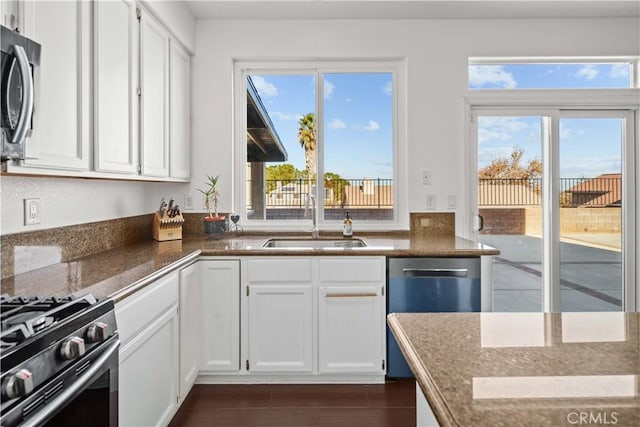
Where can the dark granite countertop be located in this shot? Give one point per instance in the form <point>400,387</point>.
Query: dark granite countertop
<point>121,271</point>
<point>525,369</point>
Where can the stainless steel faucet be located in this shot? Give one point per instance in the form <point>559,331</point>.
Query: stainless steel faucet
<point>311,200</point>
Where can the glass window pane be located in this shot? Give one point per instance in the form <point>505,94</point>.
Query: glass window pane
<point>280,114</point>
<point>510,202</point>
<point>358,146</point>
<point>591,214</point>
<point>550,76</point>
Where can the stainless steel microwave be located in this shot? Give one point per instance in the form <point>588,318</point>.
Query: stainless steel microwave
<point>19,85</point>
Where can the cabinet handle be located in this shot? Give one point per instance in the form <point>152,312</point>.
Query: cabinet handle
<point>350,294</point>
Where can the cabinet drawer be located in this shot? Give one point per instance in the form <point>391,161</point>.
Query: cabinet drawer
<point>279,270</point>
<point>351,269</point>
<point>138,311</point>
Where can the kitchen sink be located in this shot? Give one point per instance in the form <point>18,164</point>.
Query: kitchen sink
<point>314,243</point>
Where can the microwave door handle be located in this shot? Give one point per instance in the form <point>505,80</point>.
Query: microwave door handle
<point>26,109</point>
<point>62,399</point>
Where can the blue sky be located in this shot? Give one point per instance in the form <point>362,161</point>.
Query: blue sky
<point>358,119</point>
<point>588,147</point>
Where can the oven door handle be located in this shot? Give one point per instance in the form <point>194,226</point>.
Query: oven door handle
<point>66,395</point>
<point>26,109</point>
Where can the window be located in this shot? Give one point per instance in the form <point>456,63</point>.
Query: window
<point>555,186</point>
<point>315,131</point>
<point>547,74</point>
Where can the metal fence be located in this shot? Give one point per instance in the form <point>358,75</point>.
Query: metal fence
<point>574,192</point>
<point>376,193</point>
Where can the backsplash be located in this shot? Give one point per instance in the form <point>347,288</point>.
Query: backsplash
<point>423,224</point>
<point>22,252</point>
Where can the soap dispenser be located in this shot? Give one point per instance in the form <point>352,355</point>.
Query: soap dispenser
<point>347,226</point>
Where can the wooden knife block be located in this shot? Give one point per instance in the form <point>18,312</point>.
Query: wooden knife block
<point>165,228</point>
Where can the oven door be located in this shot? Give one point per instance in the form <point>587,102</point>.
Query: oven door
<point>86,393</point>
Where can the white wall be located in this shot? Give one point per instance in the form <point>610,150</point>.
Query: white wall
<point>436,53</point>
<point>66,201</point>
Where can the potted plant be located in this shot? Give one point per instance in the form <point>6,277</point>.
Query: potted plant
<point>214,223</point>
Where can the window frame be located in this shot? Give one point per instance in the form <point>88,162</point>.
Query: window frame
<point>319,68</point>
<point>555,104</point>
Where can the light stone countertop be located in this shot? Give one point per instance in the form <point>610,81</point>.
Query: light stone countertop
<point>119,272</point>
<point>525,369</point>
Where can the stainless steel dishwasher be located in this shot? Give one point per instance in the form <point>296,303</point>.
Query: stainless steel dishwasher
<point>428,285</point>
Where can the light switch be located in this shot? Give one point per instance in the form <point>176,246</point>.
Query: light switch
<point>431,202</point>
<point>451,201</point>
<point>426,177</point>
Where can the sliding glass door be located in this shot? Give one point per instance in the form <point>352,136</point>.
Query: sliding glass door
<point>556,195</point>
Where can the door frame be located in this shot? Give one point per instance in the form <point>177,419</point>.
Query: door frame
<point>554,105</point>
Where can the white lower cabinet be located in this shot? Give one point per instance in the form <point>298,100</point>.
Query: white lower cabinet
<point>319,315</point>
<point>280,310</point>
<point>280,328</point>
<point>351,315</point>
<point>189,297</point>
<point>219,313</point>
<point>148,380</point>
<point>349,338</point>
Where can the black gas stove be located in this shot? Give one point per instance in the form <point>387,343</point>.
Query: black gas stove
<point>58,355</point>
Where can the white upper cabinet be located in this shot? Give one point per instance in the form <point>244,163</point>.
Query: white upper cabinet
<point>154,102</point>
<point>115,80</point>
<point>60,139</point>
<point>180,116</point>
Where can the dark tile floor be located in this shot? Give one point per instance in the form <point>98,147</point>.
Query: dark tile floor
<point>293,405</point>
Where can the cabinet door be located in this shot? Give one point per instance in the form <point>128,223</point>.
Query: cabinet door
<point>154,107</point>
<point>219,307</point>
<point>180,87</point>
<point>148,389</point>
<point>188,328</point>
<point>280,328</point>
<point>60,137</point>
<point>351,328</point>
<point>115,68</point>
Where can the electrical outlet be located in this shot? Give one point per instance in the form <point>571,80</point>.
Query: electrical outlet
<point>431,202</point>
<point>31,211</point>
<point>188,202</point>
<point>451,201</point>
<point>426,177</point>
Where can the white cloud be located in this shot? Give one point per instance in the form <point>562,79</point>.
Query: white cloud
<point>264,88</point>
<point>387,88</point>
<point>328,89</point>
<point>619,71</point>
<point>372,126</point>
<point>499,128</point>
<point>285,116</point>
<point>589,72</point>
<point>336,124</point>
<point>495,75</point>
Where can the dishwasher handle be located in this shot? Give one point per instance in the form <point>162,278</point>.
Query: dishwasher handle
<point>435,272</point>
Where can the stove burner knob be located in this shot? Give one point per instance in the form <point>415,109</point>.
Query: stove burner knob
<point>72,348</point>
<point>97,332</point>
<point>19,384</point>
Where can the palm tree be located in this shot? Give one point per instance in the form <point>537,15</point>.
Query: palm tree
<point>307,138</point>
